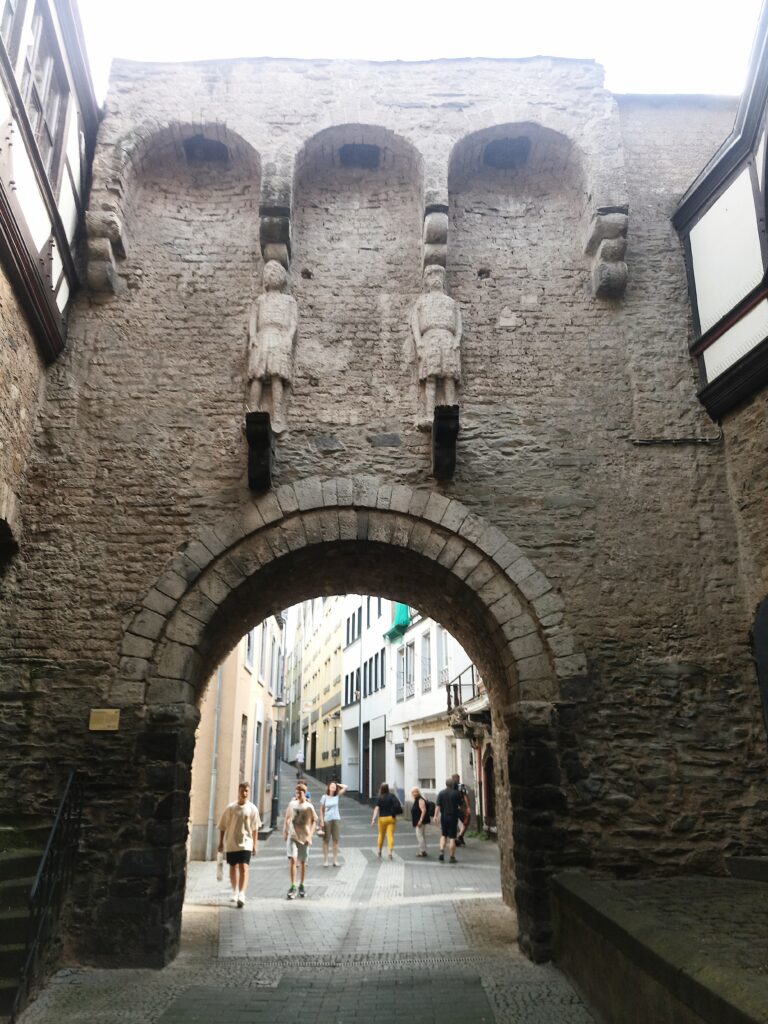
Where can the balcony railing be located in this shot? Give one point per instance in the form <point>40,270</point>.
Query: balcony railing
<point>464,687</point>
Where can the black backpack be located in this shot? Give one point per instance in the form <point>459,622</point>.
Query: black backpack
<point>431,809</point>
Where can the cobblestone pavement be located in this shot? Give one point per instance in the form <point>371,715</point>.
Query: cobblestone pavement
<point>374,940</point>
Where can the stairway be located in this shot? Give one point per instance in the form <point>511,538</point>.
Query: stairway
<point>22,841</point>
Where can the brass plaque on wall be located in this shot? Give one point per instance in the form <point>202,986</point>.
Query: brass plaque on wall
<point>104,720</point>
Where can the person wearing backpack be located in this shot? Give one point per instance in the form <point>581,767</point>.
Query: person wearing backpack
<point>386,809</point>
<point>422,812</point>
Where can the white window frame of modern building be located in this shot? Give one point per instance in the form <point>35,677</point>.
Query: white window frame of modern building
<point>443,669</point>
<point>425,781</point>
<point>263,651</point>
<point>426,662</point>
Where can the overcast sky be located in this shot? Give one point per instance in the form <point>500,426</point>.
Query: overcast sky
<point>661,46</point>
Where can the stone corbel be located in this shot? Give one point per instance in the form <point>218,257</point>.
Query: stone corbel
<point>106,243</point>
<point>607,245</point>
<point>435,235</point>
<point>275,234</point>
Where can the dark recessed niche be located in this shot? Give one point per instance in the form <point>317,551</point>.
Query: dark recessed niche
<point>200,150</point>
<point>506,154</point>
<point>359,154</point>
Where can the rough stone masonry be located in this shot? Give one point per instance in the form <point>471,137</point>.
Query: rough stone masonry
<point>599,583</point>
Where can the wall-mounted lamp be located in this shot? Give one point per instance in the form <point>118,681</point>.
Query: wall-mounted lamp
<point>389,735</point>
<point>406,731</point>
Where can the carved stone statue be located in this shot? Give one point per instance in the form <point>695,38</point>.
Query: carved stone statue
<point>271,339</point>
<point>436,327</point>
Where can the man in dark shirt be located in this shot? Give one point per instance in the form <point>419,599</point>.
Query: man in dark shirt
<point>449,802</point>
<point>464,811</point>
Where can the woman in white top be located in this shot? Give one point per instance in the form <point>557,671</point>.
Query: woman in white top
<point>330,820</point>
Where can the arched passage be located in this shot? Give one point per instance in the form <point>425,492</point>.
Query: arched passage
<point>319,537</point>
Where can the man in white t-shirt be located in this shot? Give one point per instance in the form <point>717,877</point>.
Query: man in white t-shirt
<point>239,838</point>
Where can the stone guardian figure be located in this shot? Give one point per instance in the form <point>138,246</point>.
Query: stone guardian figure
<point>436,327</point>
<point>271,340</point>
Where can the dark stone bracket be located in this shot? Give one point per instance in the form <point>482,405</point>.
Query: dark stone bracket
<point>445,430</point>
<point>258,432</point>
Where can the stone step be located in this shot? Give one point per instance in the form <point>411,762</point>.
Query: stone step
<point>17,833</point>
<point>14,892</point>
<point>11,959</point>
<point>19,863</point>
<point>7,995</point>
<point>14,925</point>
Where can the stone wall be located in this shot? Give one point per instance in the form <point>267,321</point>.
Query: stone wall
<point>21,372</point>
<point>628,736</point>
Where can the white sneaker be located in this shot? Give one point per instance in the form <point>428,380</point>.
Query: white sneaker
<point>233,896</point>
<point>240,899</point>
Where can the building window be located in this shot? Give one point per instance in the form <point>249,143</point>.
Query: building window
<point>367,613</point>
<point>243,744</point>
<point>442,656</point>
<point>45,94</point>
<point>250,643</point>
<point>376,671</point>
<point>400,673</point>
<point>10,25</point>
<point>382,677</point>
<point>365,679</point>
<point>410,681</point>
<point>425,763</point>
<point>426,662</point>
<point>379,606</point>
<point>360,620</point>
<point>263,651</point>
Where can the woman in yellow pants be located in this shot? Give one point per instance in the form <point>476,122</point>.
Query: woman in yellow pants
<point>386,809</point>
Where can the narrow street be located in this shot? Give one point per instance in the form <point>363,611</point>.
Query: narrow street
<point>402,940</point>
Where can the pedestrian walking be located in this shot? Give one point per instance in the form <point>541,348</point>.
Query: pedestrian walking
<point>386,809</point>
<point>239,838</point>
<point>330,820</point>
<point>300,765</point>
<point>298,829</point>
<point>422,813</point>
<point>465,812</point>
<point>449,804</point>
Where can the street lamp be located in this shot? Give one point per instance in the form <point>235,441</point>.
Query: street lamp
<point>278,717</point>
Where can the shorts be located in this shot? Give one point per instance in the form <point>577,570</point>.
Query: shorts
<point>239,857</point>
<point>297,851</point>
<point>449,827</point>
<point>332,831</point>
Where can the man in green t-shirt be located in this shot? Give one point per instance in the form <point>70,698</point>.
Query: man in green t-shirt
<point>298,829</point>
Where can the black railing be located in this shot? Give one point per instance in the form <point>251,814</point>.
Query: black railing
<point>46,896</point>
<point>463,688</point>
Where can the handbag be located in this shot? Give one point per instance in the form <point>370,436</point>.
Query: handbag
<point>219,867</point>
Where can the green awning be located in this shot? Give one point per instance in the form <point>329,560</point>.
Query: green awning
<point>401,623</point>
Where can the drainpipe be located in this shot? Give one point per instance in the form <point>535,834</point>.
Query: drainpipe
<point>210,842</point>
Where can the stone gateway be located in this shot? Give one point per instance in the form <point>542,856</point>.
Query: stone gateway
<point>597,551</point>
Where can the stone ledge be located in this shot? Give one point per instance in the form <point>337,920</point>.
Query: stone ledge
<point>635,940</point>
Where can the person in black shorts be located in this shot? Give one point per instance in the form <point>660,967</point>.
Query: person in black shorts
<point>449,802</point>
<point>239,838</point>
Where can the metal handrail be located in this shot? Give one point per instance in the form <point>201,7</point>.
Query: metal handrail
<point>458,691</point>
<point>51,882</point>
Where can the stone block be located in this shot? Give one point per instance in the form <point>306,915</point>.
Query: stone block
<point>148,624</point>
<point>527,646</point>
<point>170,691</point>
<point>330,493</point>
<point>571,665</point>
<point>520,570</point>
<point>345,491</point>
<point>538,667</point>
<point>454,516</point>
<point>400,498</point>
<point>309,494</point>
<point>177,661</point>
<point>385,496</point>
<point>609,280</point>
<point>453,550</point>
<point>134,646</point>
<point>197,553</point>
<point>185,629</point>
<point>507,555</point>
<point>269,508</point>
<point>435,255</point>
<point>125,693</point>
<point>535,585</point>
<point>436,507</point>
<point>211,541</point>
<point>491,540</point>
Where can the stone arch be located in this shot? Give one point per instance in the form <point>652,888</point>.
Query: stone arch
<point>322,536</point>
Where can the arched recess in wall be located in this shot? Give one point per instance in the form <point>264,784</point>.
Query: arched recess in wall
<point>357,220</point>
<point>760,648</point>
<point>189,198</point>
<point>336,536</point>
<point>517,196</point>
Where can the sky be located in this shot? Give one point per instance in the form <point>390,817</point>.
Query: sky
<point>650,46</point>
